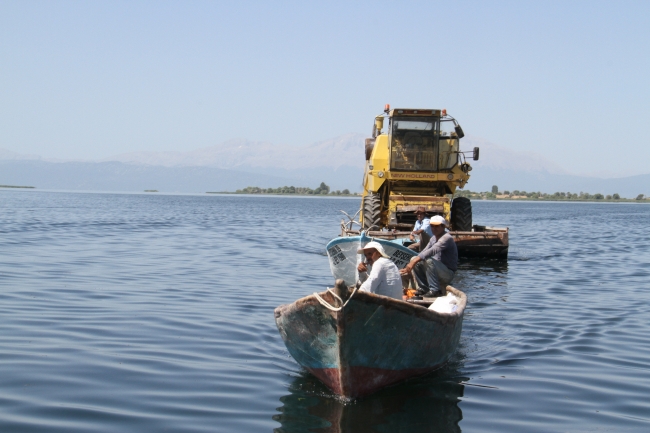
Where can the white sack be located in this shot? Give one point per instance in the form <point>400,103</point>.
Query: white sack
<point>445,304</point>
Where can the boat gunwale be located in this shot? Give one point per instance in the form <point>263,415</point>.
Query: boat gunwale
<point>405,307</point>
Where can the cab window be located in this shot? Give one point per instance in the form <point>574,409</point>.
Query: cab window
<point>448,156</point>
<point>414,143</point>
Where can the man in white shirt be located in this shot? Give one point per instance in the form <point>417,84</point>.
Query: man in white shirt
<point>384,278</point>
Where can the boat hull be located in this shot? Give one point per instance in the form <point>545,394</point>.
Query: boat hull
<point>373,342</point>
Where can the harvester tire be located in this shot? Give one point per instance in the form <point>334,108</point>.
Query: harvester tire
<point>371,212</point>
<point>461,214</point>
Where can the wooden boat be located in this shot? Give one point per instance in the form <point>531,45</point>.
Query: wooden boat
<point>357,342</point>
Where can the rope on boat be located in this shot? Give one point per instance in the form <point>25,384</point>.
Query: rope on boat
<point>348,225</point>
<point>329,306</point>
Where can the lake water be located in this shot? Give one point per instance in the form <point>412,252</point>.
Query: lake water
<point>134,313</point>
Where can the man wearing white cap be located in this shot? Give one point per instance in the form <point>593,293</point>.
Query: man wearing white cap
<point>436,265</point>
<point>384,278</point>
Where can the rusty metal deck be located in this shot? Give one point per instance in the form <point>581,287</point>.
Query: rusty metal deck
<point>482,242</point>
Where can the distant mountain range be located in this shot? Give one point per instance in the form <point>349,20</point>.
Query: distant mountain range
<point>338,162</point>
<point>528,171</point>
<point>117,176</point>
<point>346,150</point>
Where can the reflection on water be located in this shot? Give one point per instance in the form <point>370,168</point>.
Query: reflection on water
<point>428,404</point>
<point>137,313</point>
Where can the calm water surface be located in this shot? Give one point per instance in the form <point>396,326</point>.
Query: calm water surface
<point>133,313</point>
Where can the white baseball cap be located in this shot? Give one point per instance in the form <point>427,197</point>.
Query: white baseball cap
<point>375,245</point>
<point>437,220</point>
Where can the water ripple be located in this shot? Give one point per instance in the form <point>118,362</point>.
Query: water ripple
<point>155,313</point>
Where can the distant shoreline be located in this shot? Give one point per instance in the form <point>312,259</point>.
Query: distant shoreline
<point>323,190</point>
<point>621,200</point>
<point>517,195</point>
<point>284,194</point>
<point>590,200</point>
<point>15,186</point>
<point>557,199</point>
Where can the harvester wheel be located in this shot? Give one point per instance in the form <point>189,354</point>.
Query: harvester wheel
<point>461,214</point>
<point>371,212</point>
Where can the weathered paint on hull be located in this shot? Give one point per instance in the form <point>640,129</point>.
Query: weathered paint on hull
<point>372,343</point>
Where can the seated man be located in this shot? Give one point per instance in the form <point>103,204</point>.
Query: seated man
<point>436,265</point>
<point>421,228</point>
<point>384,278</point>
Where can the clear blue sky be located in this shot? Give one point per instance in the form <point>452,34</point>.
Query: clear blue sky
<point>90,79</point>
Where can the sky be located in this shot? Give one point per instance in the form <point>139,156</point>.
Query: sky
<point>92,79</point>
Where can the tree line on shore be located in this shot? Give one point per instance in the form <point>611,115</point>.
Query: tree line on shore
<point>322,189</point>
<point>516,194</point>
<point>495,193</point>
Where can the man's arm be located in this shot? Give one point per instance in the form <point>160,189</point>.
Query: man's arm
<point>406,270</point>
<point>423,227</point>
<point>431,249</point>
<point>374,278</point>
<point>414,231</point>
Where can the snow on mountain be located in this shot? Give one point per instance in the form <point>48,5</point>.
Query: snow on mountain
<point>233,154</point>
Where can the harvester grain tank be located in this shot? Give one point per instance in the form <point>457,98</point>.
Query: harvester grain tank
<point>413,159</point>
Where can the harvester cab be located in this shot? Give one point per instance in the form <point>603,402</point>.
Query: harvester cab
<point>413,159</point>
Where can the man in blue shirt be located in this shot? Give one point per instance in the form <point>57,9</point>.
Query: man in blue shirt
<point>421,226</point>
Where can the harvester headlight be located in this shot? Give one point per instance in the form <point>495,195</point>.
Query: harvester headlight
<point>380,174</point>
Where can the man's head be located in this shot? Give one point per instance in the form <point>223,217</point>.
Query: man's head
<point>438,225</point>
<point>372,251</point>
<point>420,212</point>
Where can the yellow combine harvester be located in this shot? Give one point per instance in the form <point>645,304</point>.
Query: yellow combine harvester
<point>413,159</point>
